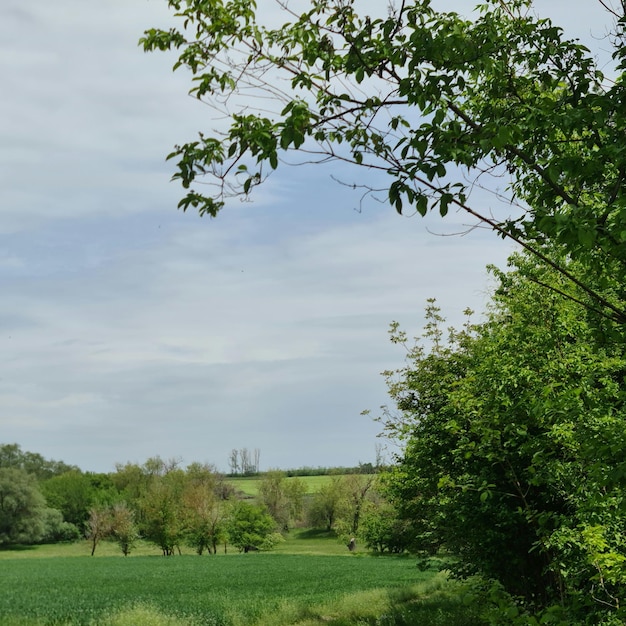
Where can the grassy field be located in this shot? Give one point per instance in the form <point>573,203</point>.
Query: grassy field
<point>311,580</point>
<point>312,542</point>
<point>221,590</point>
<point>250,485</point>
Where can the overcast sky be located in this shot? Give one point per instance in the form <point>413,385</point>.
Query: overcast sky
<point>129,329</point>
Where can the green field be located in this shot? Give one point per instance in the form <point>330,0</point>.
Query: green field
<point>42,586</point>
<point>299,541</point>
<point>233,589</point>
<point>250,485</point>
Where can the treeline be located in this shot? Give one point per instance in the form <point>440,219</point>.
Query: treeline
<point>246,462</point>
<point>12,455</point>
<point>361,468</point>
<point>173,506</point>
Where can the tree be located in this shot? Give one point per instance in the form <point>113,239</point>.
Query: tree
<point>22,507</point>
<point>385,531</point>
<point>245,461</point>
<point>248,463</point>
<point>98,525</point>
<point>248,526</point>
<point>172,506</point>
<point>282,497</point>
<point>123,528</point>
<point>514,440</point>
<point>203,510</point>
<point>357,488</point>
<point>56,529</point>
<point>435,100</point>
<point>162,512</point>
<point>233,461</point>
<point>328,504</point>
<point>12,455</point>
<point>71,493</point>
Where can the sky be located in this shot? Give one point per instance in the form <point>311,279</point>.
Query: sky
<point>129,329</point>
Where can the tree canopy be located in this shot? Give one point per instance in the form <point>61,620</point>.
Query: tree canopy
<point>12,455</point>
<point>440,102</point>
<point>22,507</point>
<point>514,446</point>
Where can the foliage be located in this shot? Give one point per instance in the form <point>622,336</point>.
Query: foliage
<point>162,513</point>
<point>248,525</point>
<point>12,455</point>
<point>515,446</point>
<point>385,531</point>
<point>362,468</point>
<point>131,480</point>
<point>123,527</point>
<point>328,505</point>
<point>283,498</point>
<point>71,493</point>
<point>437,101</point>
<point>98,526</point>
<point>22,507</point>
<point>203,509</point>
<point>56,529</point>
<point>357,487</point>
<point>340,503</point>
<point>243,462</point>
<point>271,540</point>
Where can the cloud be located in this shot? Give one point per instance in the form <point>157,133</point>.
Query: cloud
<point>216,334</point>
<point>129,329</point>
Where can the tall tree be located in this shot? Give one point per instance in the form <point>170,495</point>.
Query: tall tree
<point>282,496</point>
<point>328,504</point>
<point>98,526</point>
<point>384,530</point>
<point>162,518</point>
<point>12,455</point>
<point>123,527</point>
<point>233,461</point>
<point>22,507</point>
<point>203,510</point>
<point>438,101</point>
<point>357,487</point>
<point>248,526</point>
<point>514,446</point>
<point>71,493</point>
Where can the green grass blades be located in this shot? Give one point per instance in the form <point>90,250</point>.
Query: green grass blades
<point>223,590</point>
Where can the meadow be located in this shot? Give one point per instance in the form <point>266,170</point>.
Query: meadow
<point>44,587</point>
<point>310,579</point>
<point>249,485</point>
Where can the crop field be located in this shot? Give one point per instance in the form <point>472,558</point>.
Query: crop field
<point>222,590</point>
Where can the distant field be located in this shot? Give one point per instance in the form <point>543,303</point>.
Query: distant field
<point>222,590</point>
<point>298,541</point>
<point>250,486</point>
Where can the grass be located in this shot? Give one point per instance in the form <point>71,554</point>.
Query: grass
<point>311,579</point>
<point>249,486</point>
<point>223,590</point>
<point>79,548</point>
<point>298,541</point>
<point>313,542</point>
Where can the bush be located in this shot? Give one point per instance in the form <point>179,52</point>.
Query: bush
<point>56,530</point>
